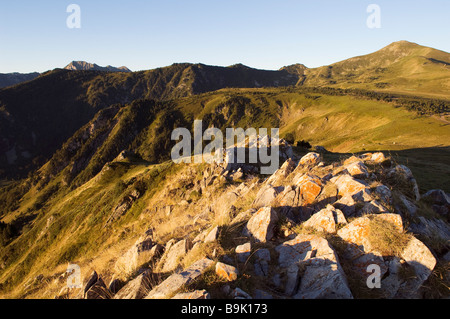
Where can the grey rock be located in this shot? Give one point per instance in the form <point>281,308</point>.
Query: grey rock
<point>99,291</point>
<point>243,252</point>
<point>176,281</point>
<point>261,295</point>
<point>212,235</point>
<point>261,224</point>
<point>194,295</point>
<point>262,262</point>
<point>324,282</point>
<point>238,293</point>
<point>136,288</point>
<point>265,196</point>
<point>170,260</point>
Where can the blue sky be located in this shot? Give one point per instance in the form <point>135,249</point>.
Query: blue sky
<point>145,34</point>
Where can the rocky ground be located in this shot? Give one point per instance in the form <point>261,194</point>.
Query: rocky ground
<point>311,230</point>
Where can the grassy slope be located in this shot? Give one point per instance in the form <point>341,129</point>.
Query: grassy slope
<point>401,67</point>
<point>341,124</point>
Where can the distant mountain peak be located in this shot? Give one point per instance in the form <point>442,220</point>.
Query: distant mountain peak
<point>85,66</point>
<point>239,66</point>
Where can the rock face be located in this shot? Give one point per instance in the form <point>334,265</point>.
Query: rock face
<point>309,189</point>
<point>136,288</point>
<point>261,225</point>
<point>357,232</point>
<point>348,186</point>
<point>265,196</point>
<point>143,251</point>
<point>422,261</point>
<point>310,159</point>
<point>170,260</point>
<point>322,276</point>
<point>326,220</point>
<point>276,178</point>
<point>176,281</point>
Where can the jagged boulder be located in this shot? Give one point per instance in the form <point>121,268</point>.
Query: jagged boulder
<point>373,207</point>
<point>136,288</point>
<point>261,224</point>
<point>170,260</point>
<point>226,272</point>
<point>92,279</point>
<point>326,220</point>
<point>311,264</point>
<point>277,177</point>
<point>431,228</point>
<point>95,288</point>
<point>384,193</point>
<point>324,282</point>
<point>310,159</point>
<point>348,186</point>
<point>309,188</point>
<point>142,252</point>
<point>224,204</point>
<point>243,252</point>
<point>422,261</point>
<point>266,196</point>
<point>357,169</point>
<point>176,281</point>
<point>115,285</point>
<point>378,158</point>
<point>212,235</point>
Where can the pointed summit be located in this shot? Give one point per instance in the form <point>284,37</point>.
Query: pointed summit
<point>85,66</point>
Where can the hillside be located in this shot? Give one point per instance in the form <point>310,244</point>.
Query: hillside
<point>401,67</point>
<point>86,178</point>
<point>37,117</point>
<point>10,79</point>
<point>140,224</point>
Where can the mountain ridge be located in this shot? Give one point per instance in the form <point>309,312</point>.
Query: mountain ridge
<point>85,66</point>
<point>72,98</point>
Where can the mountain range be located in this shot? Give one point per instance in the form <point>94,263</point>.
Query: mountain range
<point>85,66</point>
<point>85,164</point>
<point>401,67</point>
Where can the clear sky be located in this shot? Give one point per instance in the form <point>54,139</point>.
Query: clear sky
<point>145,34</point>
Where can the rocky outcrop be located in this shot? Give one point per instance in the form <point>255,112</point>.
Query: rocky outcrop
<point>313,231</point>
